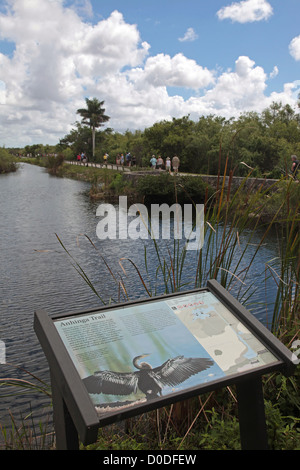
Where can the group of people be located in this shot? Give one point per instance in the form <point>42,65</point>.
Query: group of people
<point>158,163</point>
<point>155,163</point>
<point>127,160</point>
<point>81,157</point>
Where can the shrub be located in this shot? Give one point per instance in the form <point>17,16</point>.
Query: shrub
<point>54,162</point>
<point>169,189</point>
<point>7,162</point>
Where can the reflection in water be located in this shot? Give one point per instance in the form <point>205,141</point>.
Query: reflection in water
<point>36,273</point>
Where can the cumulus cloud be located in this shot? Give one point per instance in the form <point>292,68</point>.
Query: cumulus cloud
<point>246,11</point>
<point>189,36</point>
<point>2,92</point>
<point>58,60</point>
<point>238,90</point>
<point>177,71</point>
<point>295,48</point>
<point>274,72</point>
<point>84,8</point>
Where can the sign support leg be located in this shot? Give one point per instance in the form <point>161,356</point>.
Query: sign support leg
<point>65,430</point>
<point>253,429</point>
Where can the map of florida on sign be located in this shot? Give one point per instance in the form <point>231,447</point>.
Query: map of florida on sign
<point>232,346</point>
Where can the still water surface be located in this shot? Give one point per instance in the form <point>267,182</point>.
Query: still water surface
<point>36,273</point>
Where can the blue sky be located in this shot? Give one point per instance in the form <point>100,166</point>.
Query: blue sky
<point>148,60</point>
<point>218,42</point>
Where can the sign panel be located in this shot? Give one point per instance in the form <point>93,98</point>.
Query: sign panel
<point>130,355</point>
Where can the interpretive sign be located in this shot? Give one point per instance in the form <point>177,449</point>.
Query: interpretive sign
<point>189,340</point>
<point>131,358</point>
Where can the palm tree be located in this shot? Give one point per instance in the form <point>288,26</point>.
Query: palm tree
<point>94,116</point>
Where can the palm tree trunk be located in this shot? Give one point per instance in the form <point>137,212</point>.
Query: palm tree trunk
<point>93,141</point>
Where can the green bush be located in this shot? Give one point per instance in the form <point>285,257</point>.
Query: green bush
<point>118,184</point>
<point>54,162</point>
<point>220,434</point>
<point>7,162</point>
<point>283,431</point>
<point>170,189</point>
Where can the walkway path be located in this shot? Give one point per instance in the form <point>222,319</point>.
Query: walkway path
<point>127,169</point>
<point>109,166</point>
<point>212,180</point>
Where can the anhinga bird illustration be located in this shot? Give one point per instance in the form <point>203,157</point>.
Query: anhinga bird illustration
<point>147,380</point>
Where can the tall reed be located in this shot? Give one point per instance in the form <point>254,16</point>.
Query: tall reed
<point>24,433</point>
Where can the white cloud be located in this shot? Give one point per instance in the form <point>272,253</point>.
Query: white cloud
<point>108,47</point>
<point>246,11</point>
<point>295,48</point>
<point>189,36</point>
<point>240,90</point>
<point>178,71</point>
<point>58,60</point>
<point>2,93</point>
<point>275,72</point>
<point>84,8</point>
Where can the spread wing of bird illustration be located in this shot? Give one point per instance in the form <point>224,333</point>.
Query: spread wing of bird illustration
<point>177,370</point>
<point>112,383</point>
<point>147,379</point>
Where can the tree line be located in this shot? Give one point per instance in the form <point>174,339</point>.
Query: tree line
<point>263,141</point>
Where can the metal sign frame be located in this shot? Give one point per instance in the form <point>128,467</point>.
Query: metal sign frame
<point>75,416</point>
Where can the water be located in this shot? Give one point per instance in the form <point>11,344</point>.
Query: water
<point>36,272</point>
<point>33,206</point>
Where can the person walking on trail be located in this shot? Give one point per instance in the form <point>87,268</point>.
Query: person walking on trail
<point>168,164</point>
<point>84,159</point>
<point>160,163</point>
<point>153,162</point>
<point>295,166</point>
<point>175,163</point>
<point>128,159</point>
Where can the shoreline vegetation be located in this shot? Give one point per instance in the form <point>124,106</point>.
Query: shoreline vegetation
<point>158,186</point>
<point>8,163</point>
<point>209,421</point>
